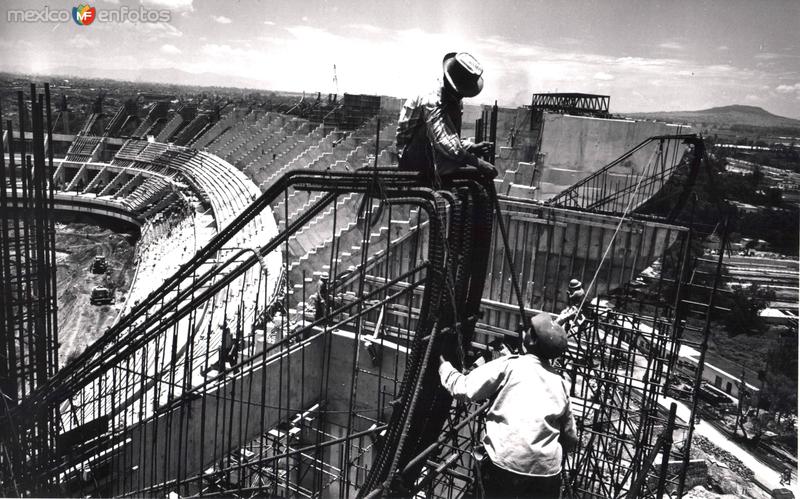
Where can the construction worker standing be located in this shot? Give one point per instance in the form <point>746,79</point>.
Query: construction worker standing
<point>429,128</point>
<point>323,302</point>
<point>529,423</point>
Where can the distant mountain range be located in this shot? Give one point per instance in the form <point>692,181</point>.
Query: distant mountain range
<point>723,116</point>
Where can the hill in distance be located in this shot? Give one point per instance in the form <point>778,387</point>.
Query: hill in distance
<point>724,116</point>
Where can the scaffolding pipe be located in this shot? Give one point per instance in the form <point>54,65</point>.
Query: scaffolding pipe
<point>701,362</point>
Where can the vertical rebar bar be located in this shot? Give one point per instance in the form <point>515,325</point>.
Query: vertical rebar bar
<point>698,377</point>
<point>668,440</point>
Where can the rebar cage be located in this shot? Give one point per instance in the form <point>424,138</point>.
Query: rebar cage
<point>223,380</point>
<point>263,368</point>
<point>28,321</point>
<point>618,366</point>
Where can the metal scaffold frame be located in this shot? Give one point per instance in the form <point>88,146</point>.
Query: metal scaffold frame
<point>619,364</point>
<point>235,378</point>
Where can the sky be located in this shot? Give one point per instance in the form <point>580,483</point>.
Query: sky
<point>648,55</point>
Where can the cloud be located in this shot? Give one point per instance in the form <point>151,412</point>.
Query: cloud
<point>722,47</point>
<point>269,23</point>
<point>506,48</point>
<point>168,48</point>
<point>218,49</point>
<point>672,46</point>
<point>771,56</point>
<point>153,31</point>
<point>369,28</point>
<point>222,19</point>
<point>568,40</point>
<point>83,42</point>
<point>512,70</point>
<point>787,89</point>
<point>172,4</point>
<point>721,68</point>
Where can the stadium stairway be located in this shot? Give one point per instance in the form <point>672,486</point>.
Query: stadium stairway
<point>263,140</point>
<point>248,134</point>
<point>275,144</point>
<point>193,130</point>
<point>217,129</point>
<point>240,132</point>
<point>263,175</point>
<point>350,244</point>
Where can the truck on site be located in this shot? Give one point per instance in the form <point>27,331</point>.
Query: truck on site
<point>101,296</point>
<point>99,265</point>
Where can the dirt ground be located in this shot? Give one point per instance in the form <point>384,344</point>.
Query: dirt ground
<point>80,322</point>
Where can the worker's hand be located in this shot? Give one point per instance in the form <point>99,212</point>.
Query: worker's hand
<point>481,148</point>
<point>487,169</point>
<point>442,360</point>
<point>566,315</point>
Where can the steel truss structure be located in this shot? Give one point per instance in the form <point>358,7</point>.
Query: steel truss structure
<point>572,103</point>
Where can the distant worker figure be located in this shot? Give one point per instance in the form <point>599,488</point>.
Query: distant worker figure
<point>575,295</point>
<point>429,128</point>
<point>786,476</point>
<point>228,350</point>
<point>322,300</point>
<point>529,424</point>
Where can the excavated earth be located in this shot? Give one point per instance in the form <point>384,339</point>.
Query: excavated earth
<point>727,476</point>
<point>80,322</point>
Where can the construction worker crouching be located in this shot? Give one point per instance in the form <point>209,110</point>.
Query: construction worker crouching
<point>572,315</point>
<point>529,423</point>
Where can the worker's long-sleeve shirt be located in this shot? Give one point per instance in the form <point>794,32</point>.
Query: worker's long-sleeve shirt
<point>530,416</point>
<point>429,132</point>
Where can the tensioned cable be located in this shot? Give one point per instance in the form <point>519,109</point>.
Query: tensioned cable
<point>616,231</point>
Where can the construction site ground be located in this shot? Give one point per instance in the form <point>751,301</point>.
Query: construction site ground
<point>80,322</point>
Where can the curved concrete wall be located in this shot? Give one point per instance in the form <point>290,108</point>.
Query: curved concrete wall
<point>82,204</point>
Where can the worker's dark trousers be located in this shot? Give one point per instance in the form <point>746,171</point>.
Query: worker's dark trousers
<point>501,483</point>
